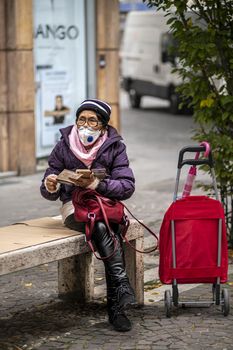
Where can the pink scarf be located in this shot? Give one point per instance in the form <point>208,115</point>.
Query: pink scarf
<point>76,146</point>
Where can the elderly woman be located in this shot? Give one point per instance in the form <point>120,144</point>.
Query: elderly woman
<point>91,144</point>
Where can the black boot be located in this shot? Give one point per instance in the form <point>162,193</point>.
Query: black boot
<point>120,294</point>
<point>117,317</point>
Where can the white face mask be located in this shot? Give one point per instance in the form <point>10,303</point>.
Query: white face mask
<point>88,136</point>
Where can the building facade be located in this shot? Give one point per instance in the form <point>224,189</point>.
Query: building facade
<point>51,57</point>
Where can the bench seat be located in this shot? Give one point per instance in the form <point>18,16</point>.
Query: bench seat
<point>35,242</point>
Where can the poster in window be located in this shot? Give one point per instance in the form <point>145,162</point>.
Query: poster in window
<point>60,67</point>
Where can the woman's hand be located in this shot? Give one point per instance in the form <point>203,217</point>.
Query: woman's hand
<point>51,183</point>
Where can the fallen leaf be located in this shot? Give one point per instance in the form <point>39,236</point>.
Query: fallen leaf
<point>152,285</point>
<point>28,284</point>
<point>99,278</point>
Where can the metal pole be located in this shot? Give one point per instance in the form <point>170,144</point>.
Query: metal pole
<point>173,248</point>
<point>214,183</point>
<point>176,184</point>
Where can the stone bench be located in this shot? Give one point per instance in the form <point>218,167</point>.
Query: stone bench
<point>35,242</point>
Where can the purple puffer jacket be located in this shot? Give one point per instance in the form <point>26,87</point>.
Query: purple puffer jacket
<point>119,182</point>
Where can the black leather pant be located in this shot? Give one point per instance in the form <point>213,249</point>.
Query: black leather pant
<point>115,266</point>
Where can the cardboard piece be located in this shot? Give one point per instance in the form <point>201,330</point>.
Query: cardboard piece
<point>33,232</point>
<point>68,177</point>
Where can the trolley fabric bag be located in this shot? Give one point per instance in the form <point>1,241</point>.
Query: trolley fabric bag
<point>196,223</point>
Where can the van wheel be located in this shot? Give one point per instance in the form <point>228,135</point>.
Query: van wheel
<point>134,98</point>
<point>174,103</point>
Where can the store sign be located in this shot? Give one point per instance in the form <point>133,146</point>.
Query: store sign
<point>57,32</point>
<point>60,67</point>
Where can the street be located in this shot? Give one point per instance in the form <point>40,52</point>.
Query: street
<point>154,138</point>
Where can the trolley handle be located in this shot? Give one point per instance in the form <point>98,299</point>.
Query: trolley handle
<point>208,160</point>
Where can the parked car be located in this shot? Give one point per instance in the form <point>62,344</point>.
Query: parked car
<point>146,59</point>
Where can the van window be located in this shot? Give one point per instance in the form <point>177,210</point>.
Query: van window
<point>168,48</point>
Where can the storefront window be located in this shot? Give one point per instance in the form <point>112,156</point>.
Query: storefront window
<point>60,67</point>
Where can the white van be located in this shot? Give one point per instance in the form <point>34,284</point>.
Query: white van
<point>146,61</point>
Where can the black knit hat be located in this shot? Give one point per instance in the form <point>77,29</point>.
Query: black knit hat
<point>100,107</point>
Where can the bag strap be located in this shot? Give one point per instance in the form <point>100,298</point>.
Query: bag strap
<point>91,223</point>
<point>123,234</point>
<point>90,227</point>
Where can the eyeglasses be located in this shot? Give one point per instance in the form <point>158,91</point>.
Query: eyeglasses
<point>93,122</point>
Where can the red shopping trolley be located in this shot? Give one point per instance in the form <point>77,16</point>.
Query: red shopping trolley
<point>193,242</point>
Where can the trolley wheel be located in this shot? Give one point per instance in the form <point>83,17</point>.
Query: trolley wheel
<point>167,303</point>
<point>175,295</point>
<point>216,293</point>
<point>225,302</point>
